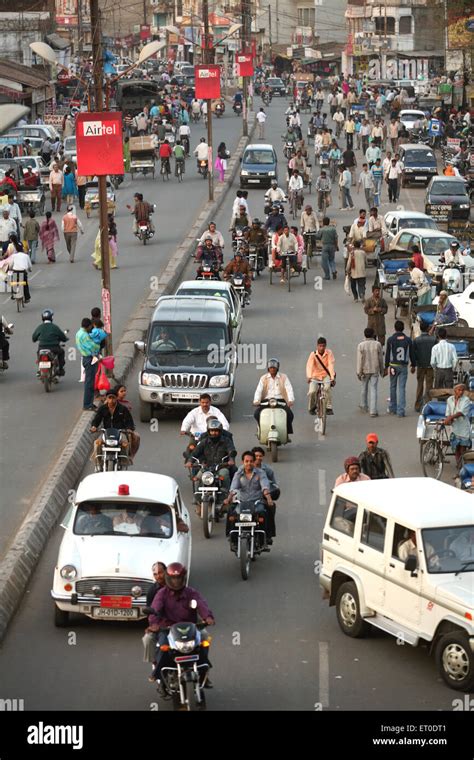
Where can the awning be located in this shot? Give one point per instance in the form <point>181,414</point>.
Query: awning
<point>57,42</point>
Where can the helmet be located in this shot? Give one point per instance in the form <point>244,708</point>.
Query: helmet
<point>175,576</point>
<point>214,425</point>
<point>208,237</point>
<point>350,461</point>
<point>273,363</point>
<point>256,220</point>
<point>47,315</point>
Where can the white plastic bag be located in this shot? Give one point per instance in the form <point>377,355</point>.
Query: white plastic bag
<point>347,285</point>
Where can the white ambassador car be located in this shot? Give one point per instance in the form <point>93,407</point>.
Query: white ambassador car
<point>120,524</point>
<point>464,305</point>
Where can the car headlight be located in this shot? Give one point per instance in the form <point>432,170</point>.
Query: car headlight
<point>220,381</point>
<point>149,378</point>
<point>69,572</point>
<point>185,646</point>
<point>244,173</point>
<point>464,205</point>
<point>137,591</point>
<point>273,402</point>
<point>271,174</point>
<point>207,479</point>
<point>408,170</point>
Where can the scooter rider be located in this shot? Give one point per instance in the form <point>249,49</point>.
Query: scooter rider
<point>453,255</point>
<point>237,99</point>
<point>275,194</point>
<point>142,212</point>
<point>202,151</point>
<point>275,384</point>
<point>252,484</point>
<point>49,336</point>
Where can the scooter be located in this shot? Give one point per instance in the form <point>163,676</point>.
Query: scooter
<point>237,107</point>
<point>272,430</point>
<point>219,109</point>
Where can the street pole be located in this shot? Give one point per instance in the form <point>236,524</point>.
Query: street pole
<point>245,46</point>
<point>104,222</point>
<point>270,31</point>
<point>207,59</point>
<point>79,32</point>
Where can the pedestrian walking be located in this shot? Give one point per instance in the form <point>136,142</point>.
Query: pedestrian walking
<point>422,348</point>
<point>443,361</point>
<point>355,268</point>
<point>223,154</point>
<point>398,355</point>
<point>345,179</point>
<point>375,461</point>
<point>89,351</point>
<point>56,179</point>
<point>261,119</point>
<point>328,236</point>
<point>69,191</point>
<point>49,235</point>
<point>31,233</point>
<point>376,308</point>
<point>377,174</point>
<point>71,226</point>
<point>370,368</point>
<point>392,179</point>
<point>366,181</point>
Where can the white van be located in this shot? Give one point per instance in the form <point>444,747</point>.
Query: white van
<point>399,555</point>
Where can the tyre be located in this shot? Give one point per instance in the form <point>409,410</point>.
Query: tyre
<point>109,465</point>
<point>19,302</point>
<point>61,617</point>
<point>47,384</point>
<point>321,414</point>
<point>348,612</point>
<point>144,239</point>
<point>288,272</point>
<point>274,451</point>
<point>271,275</point>
<point>207,518</point>
<point>304,276</point>
<point>145,411</point>
<point>244,558</point>
<point>455,661</point>
<point>190,695</point>
<point>431,456</point>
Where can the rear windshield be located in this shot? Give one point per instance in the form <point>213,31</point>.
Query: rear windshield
<point>263,157</point>
<point>424,156</point>
<point>411,116</point>
<point>274,81</point>
<point>94,518</point>
<point>190,345</point>
<point>448,188</point>
<point>209,293</point>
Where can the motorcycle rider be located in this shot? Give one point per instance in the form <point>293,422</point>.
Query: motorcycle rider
<point>256,236</point>
<point>241,266</point>
<point>269,472</point>
<point>274,384</point>
<point>453,255</point>
<point>49,336</point>
<point>251,484</point>
<point>241,219</point>
<point>201,151</point>
<point>211,451</point>
<point>142,212</point>
<point>172,604</point>
<point>112,415</point>
<point>275,219</point>
<point>275,194</point>
<point>352,472</point>
<point>238,98</point>
<point>209,254</point>
<point>214,234</point>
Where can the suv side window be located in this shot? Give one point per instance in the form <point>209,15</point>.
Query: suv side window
<point>344,515</point>
<point>401,534</point>
<point>405,239</point>
<point>373,530</point>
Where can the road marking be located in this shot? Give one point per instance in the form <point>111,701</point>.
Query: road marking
<point>320,311</point>
<point>324,673</point>
<point>322,487</point>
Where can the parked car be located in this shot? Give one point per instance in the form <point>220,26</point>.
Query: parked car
<point>70,150</point>
<point>432,243</point>
<point>276,85</point>
<point>419,164</point>
<point>402,220</point>
<point>219,290</point>
<point>117,528</point>
<point>259,165</point>
<point>36,130</point>
<point>447,198</point>
<point>395,556</point>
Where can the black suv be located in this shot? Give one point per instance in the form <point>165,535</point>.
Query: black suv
<point>447,198</point>
<point>419,164</point>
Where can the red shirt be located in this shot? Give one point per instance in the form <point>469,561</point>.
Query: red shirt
<point>165,150</point>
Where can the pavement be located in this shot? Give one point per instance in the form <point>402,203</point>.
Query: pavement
<point>276,645</point>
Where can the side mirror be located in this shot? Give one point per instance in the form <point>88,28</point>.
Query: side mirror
<point>139,345</point>
<point>411,564</point>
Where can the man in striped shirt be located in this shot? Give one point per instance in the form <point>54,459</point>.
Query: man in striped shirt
<point>89,351</point>
<point>443,360</point>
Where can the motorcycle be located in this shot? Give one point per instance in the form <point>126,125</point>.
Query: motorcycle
<point>112,457</point>
<point>7,329</point>
<point>203,168</point>
<point>144,231</point>
<point>248,537</point>
<point>272,428</point>
<point>255,259</point>
<point>289,150</point>
<point>237,108</point>
<point>210,493</point>
<point>116,180</point>
<point>208,269</point>
<point>219,109</point>
<point>266,99</point>
<point>238,282</point>
<point>48,367</point>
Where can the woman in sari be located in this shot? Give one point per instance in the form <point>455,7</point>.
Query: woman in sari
<point>49,235</point>
<point>113,250</point>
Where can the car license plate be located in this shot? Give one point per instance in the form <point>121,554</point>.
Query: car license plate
<point>254,180</point>
<point>418,176</point>
<point>44,365</point>
<point>108,613</point>
<point>184,397</point>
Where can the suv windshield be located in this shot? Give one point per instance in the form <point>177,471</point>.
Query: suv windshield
<point>448,188</point>
<point>449,550</point>
<point>417,156</point>
<point>94,518</point>
<point>189,345</point>
<point>265,157</point>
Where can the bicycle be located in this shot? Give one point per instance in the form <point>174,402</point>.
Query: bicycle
<point>320,409</point>
<point>310,243</point>
<point>179,170</point>
<point>296,201</point>
<point>17,290</point>
<point>165,169</point>
<point>433,452</point>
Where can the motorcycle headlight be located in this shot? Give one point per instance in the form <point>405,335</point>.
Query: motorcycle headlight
<point>220,381</point>
<point>244,173</point>
<point>149,378</point>
<point>110,442</point>
<point>69,572</point>
<point>207,479</point>
<point>273,402</point>
<point>245,517</point>
<point>185,646</point>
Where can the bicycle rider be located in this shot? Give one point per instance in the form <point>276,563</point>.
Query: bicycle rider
<point>320,369</point>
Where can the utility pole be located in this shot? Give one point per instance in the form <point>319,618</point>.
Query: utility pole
<point>270,31</point>
<point>207,58</point>
<point>80,41</point>
<point>144,12</point>
<point>104,222</point>
<point>245,37</point>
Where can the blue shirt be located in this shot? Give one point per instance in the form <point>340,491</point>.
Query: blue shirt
<point>399,350</point>
<point>97,334</point>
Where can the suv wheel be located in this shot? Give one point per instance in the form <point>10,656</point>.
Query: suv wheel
<point>455,661</point>
<point>348,611</point>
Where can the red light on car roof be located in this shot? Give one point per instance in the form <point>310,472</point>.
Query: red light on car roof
<point>124,490</point>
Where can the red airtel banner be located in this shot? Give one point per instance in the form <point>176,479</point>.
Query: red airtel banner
<point>99,143</point>
<point>207,81</point>
<point>244,64</point>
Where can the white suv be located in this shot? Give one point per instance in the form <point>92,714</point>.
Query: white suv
<point>399,555</point>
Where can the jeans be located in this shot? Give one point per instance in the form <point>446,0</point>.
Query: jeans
<point>369,196</point>
<point>398,380</point>
<point>349,140</point>
<point>328,263</point>
<point>377,192</point>
<point>358,287</point>
<point>90,373</point>
<point>346,198</point>
<point>32,247</point>
<point>368,393</point>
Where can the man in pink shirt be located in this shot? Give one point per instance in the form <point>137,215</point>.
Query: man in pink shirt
<point>352,472</point>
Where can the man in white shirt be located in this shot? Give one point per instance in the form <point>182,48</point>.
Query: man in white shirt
<point>393,174</point>
<point>201,150</point>
<point>261,119</point>
<point>275,384</point>
<point>20,266</point>
<point>275,194</point>
<point>214,234</point>
<point>453,255</point>
<point>444,360</point>
<point>338,118</point>
<point>196,420</point>
<point>240,200</point>
<point>366,181</point>
<point>7,228</point>
<point>185,136</point>
<point>15,213</point>
<point>295,185</point>
<point>56,180</point>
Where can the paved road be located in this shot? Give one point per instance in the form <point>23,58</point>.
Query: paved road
<point>30,436</point>
<point>276,645</point>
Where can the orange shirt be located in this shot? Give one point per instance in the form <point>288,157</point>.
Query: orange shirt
<point>314,371</point>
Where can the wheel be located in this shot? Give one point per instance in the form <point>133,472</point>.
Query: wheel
<point>304,276</point>
<point>244,558</point>
<point>321,414</point>
<point>455,661</point>
<point>271,275</point>
<point>348,612</point>
<point>190,693</point>
<point>88,213</point>
<point>274,451</point>
<point>207,518</point>
<point>144,239</point>
<point>47,384</point>
<point>145,411</point>
<point>288,272</point>
<point>61,617</point>
<point>19,302</point>
<point>432,460</point>
<point>109,465</point>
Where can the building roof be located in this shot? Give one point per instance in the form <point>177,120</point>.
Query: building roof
<point>24,75</point>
